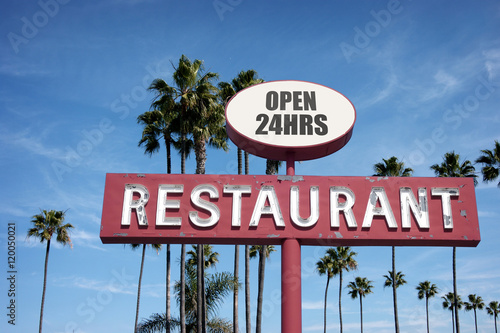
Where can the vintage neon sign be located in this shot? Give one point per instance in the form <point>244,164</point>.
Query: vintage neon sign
<point>229,209</point>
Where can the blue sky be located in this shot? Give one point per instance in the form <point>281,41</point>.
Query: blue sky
<point>424,78</point>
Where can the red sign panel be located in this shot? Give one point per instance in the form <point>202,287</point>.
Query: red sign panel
<point>236,209</point>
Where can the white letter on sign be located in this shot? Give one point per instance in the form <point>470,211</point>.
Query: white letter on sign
<point>163,204</point>
<point>378,194</point>
<point>336,206</point>
<point>314,207</point>
<point>267,192</point>
<point>237,191</point>
<point>420,210</point>
<point>129,203</point>
<point>209,206</point>
<point>445,194</point>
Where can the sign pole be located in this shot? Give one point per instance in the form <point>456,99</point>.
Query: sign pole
<point>291,290</point>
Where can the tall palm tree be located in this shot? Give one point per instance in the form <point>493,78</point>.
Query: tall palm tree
<point>161,122</point>
<point>45,225</point>
<point>493,309</point>
<point>325,266</point>
<point>491,163</point>
<point>452,167</point>
<point>427,290</point>
<point>156,247</point>
<point>243,80</point>
<point>475,303</point>
<point>360,287</point>
<point>452,303</point>
<point>200,116</point>
<point>393,168</point>
<point>343,259</point>
<point>263,252</point>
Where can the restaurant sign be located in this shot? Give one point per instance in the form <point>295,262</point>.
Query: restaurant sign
<point>316,210</point>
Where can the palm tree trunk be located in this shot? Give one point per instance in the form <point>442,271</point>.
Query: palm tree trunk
<point>262,267</point>
<point>457,325</point>
<point>394,289</point>
<point>203,294</point>
<point>201,154</point>
<point>361,311</point>
<point>239,153</point>
<point>167,313</point>
<point>340,301</point>
<point>167,296</point>
<point>183,153</point>
<point>246,163</point>
<point>168,148</point>
<point>475,319</point>
<point>427,311</point>
<point>139,288</point>
<point>248,319</point>
<point>326,294</point>
<point>44,285</point>
<point>235,293</point>
<point>453,320</point>
<point>199,293</point>
<point>182,310</point>
<point>183,289</point>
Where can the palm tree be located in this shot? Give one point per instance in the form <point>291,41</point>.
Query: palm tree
<point>360,287</point>
<point>427,290</point>
<point>399,278</point>
<point>491,163</point>
<point>343,259</point>
<point>45,225</point>
<point>263,251</point>
<point>157,247</point>
<point>161,122</point>
<point>452,167</point>
<point>211,257</point>
<point>493,309</point>
<point>393,168</point>
<point>325,267</point>
<point>475,303</point>
<point>452,303</point>
<point>243,80</point>
<point>199,115</point>
<point>218,286</point>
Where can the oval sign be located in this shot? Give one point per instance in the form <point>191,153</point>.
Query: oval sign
<point>279,119</point>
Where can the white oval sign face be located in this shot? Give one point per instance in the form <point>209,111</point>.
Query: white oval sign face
<point>278,118</point>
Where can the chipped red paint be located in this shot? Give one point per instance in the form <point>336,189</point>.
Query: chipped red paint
<point>465,231</point>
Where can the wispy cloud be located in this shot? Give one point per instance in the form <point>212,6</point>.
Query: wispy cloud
<point>309,305</point>
<point>97,285</point>
<point>492,63</point>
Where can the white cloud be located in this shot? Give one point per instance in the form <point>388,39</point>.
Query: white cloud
<point>492,63</point>
<point>309,305</point>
